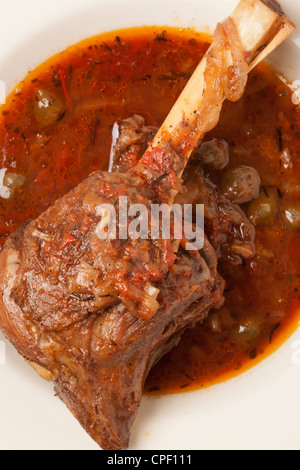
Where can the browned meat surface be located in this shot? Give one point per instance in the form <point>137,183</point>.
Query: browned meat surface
<point>71,302</point>
<point>67,248</point>
<point>54,310</point>
<point>227,226</point>
<point>134,138</point>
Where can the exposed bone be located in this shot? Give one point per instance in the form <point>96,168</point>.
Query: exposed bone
<point>99,383</point>
<point>261,26</point>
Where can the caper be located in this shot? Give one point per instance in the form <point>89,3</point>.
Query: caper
<point>48,107</point>
<point>241,184</point>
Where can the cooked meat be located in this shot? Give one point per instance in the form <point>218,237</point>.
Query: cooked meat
<point>134,138</point>
<point>97,312</point>
<point>63,316</point>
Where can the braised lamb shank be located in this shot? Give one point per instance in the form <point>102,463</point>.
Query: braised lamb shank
<point>93,314</point>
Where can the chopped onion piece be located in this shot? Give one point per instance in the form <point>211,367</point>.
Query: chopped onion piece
<point>4,190</point>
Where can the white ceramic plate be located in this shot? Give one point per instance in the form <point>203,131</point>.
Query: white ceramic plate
<point>258,410</point>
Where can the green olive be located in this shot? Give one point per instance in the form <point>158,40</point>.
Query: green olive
<point>241,184</point>
<point>262,211</point>
<point>292,216</point>
<point>48,107</point>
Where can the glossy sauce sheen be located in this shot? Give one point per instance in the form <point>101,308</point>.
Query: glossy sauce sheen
<point>143,71</point>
